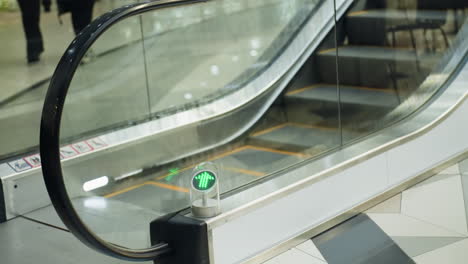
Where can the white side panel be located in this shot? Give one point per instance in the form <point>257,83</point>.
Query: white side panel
<point>19,190</point>
<point>302,210</point>
<point>445,140</point>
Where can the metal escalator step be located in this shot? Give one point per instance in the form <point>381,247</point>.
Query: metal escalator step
<point>305,136</point>
<point>238,166</point>
<point>373,66</point>
<point>370,27</point>
<point>376,53</point>
<point>230,177</point>
<point>353,95</point>
<point>258,159</point>
<point>394,17</point>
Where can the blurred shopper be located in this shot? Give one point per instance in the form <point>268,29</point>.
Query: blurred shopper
<point>81,12</point>
<point>30,14</point>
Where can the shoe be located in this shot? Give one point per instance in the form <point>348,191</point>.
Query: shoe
<point>32,59</point>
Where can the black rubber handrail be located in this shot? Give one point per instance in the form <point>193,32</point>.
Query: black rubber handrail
<point>50,130</point>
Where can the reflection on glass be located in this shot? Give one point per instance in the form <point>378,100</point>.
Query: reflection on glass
<point>163,80</point>
<point>24,85</point>
<point>389,54</point>
<point>108,90</point>
<point>202,41</point>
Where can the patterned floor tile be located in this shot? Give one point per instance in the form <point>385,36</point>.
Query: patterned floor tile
<point>359,240</point>
<point>456,253</point>
<point>294,256</point>
<point>402,225</point>
<point>463,166</point>
<point>439,202</point>
<point>415,246</point>
<point>310,248</point>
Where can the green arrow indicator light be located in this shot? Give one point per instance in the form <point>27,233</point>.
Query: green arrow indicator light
<point>204,180</point>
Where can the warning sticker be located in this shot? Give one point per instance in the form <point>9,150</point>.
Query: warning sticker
<point>19,165</point>
<point>96,143</point>
<point>67,152</point>
<point>82,147</point>
<point>33,160</point>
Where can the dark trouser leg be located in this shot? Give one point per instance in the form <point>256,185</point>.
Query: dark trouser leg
<point>30,14</point>
<point>82,14</point>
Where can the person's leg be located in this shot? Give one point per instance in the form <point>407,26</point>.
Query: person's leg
<point>82,14</point>
<point>30,14</point>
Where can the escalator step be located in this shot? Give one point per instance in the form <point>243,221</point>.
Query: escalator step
<point>395,16</point>
<point>370,27</point>
<point>353,95</point>
<point>300,135</point>
<point>237,167</point>
<point>373,66</point>
<point>387,54</point>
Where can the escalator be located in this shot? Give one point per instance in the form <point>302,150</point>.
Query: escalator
<point>294,89</point>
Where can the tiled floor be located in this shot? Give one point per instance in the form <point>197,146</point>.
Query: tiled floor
<point>427,221</point>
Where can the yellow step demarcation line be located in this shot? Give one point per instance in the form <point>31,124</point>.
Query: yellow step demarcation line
<point>312,126</point>
<point>289,153</point>
<point>181,189</point>
<point>365,46</point>
<point>210,159</point>
<point>303,89</point>
<point>358,13</point>
<point>236,150</point>
<point>382,90</point>
<point>267,130</point>
<point>271,129</point>
<point>326,50</point>
<point>124,190</point>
